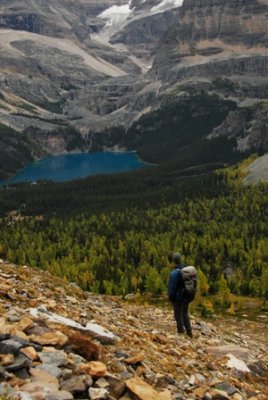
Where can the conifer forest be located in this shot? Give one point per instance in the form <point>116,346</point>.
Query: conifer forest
<point>109,247</point>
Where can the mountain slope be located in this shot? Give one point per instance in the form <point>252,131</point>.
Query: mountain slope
<point>52,332</point>
<point>105,64</point>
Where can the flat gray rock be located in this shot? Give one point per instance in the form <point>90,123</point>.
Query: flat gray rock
<point>10,346</point>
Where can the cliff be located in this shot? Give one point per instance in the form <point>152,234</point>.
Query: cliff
<point>58,342</point>
<point>248,126</point>
<point>209,32</point>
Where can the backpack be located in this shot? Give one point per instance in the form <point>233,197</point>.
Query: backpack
<point>189,276</point>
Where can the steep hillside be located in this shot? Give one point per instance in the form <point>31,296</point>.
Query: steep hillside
<point>57,342</point>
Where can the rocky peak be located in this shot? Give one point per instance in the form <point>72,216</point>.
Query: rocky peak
<point>58,342</point>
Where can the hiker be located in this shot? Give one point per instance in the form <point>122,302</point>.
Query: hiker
<point>176,295</point>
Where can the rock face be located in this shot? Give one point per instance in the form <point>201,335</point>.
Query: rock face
<point>249,128</point>
<point>143,33</point>
<point>47,353</point>
<point>216,32</point>
<point>257,171</point>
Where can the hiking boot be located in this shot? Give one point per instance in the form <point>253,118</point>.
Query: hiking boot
<point>190,334</point>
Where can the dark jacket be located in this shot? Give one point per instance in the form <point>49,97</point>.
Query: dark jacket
<point>175,284</point>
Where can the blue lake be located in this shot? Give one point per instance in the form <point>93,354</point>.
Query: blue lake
<point>73,166</point>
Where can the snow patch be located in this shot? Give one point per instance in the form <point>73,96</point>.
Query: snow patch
<point>116,18</point>
<point>166,5</point>
<point>115,15</point>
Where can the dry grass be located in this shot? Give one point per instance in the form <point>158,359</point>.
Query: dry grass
<point>84,346</point>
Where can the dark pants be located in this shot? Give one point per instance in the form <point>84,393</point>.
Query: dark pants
<point>182,317</point>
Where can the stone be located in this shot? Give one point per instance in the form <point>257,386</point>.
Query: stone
<point>126,375</point>
<point>12,318</point>
<point>101,383</point>
<point>143,391</point>
<point>237,364</point>
<point>40,376</point>
<point>72,300</point>
<point>25,323</point>
<point>51,369</point>
<point>66,373</point>
<point>121,354</point>
<point>10,346</point>
<point>237,351</point>
<point>77,384</point>
<point>60,395</point>
<point>25,396</point>
<point>97,331</point>
<point>6,359</point>
<point>258,368</point>
<point>126,397</point>
<point>201,391</point>
<point>15,381</point>
<point>51,304</point>
<point>237,396</point>
<point>20,362</point>
<point>18,333</point>
<point>58,358</point>
<point>94,368</point>
<point>29,352</point>
<point>4,336</point>
<point>226,387</point>
<point>42,395</point>
<point>56,338</point>
<point>117,387</point>
<point>98,394</point>
<point>192,380</point>
<point>161,338</point>
<point>165,395</point>
<point>37,347</point>
<point>22,373</point>
<point>219,395</point>
<point>33,387</point>
<point>135,359</point>
<point>4,288</point>
<point>37,330</point>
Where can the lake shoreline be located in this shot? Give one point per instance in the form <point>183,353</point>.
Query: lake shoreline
<point>91,164</point>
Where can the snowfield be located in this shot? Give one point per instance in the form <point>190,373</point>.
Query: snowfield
<point>117,17</point>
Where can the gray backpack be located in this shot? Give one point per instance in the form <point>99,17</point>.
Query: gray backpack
<point>189,276</point>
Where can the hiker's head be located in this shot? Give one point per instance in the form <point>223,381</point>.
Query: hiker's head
<point>170,257</point>
<point>176,258</point>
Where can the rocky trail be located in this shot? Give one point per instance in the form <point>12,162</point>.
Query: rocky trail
<point>59,343</point>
